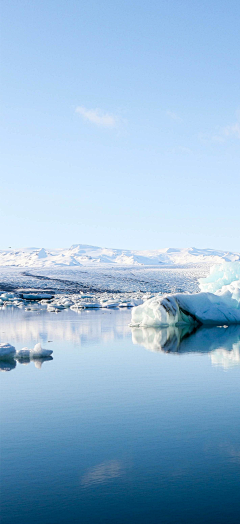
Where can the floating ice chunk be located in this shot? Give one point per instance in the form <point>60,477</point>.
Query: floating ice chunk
<point>23,353</point>
<point>110,303</point>
<point>8,304</point>
<point>36,296</point>
<point>67,303</point>
<point>125,304</point>
<point>56,305</point>
<point>93,305</point>
<point>8,296</point>
<point>202,308</point>
<point>7,351</point>
<point>87,305</point>
<point>36,352</point>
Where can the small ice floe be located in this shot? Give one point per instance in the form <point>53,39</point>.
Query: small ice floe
<point>67,303</point>
<point>131,303</point>
<point>110,303</point>
<point>36,296</point>
<point>55,306</point>
<point>23,354</point>
<point>36,352</point>
<point>86,305</point>
<point>5,297</point>
<point>7,351</point>
<point>125,304</point>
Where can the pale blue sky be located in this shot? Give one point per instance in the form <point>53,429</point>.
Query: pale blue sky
<point>121,123</point>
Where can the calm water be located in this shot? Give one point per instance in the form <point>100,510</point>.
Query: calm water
<point>120,426</point>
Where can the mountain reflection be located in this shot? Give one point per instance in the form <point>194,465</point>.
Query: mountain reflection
<point>222,343</point>
<point>68,326</point>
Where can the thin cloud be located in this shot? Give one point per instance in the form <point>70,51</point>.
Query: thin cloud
<point>182,149</point>
<point>232,130</point>
<point>185,150</point>
<point>97,117</point>
<point>173,116</point>
<point>229,131</point>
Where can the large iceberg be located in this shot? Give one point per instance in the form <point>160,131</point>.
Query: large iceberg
<point>223,280</point>
<point>218,302</point>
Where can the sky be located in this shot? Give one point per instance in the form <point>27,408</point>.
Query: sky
<point>120,123</point>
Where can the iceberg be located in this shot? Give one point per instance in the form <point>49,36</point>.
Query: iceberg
<point>221,275</point>
<point>9,356</point>
<point>36,352</point>
<point>218,302</point>
<point>36,296</point>
<point>7,351</point>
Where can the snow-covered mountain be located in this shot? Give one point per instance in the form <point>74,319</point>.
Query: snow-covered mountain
<point>84,255</point>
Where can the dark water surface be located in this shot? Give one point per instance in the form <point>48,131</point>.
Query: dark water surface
<point>121,426</point>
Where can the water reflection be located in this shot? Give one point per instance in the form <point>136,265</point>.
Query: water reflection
<point>226,359</point>
<point>21,328</point>
<point>102,473</point>
<point>222,343</point>
<point>68,326</point>
<point>9,365</point>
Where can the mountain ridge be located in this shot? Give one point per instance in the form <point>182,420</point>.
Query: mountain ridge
<point>86,255</point>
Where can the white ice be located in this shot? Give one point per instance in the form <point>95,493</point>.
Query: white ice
<point>80,255</point>
<point>36,352</point>
<point>217,304</point>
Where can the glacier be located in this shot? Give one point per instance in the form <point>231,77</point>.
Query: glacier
<point>218,302</point>
<point>79,255</point>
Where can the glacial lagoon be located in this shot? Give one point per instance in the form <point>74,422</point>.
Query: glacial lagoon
<point>121,424</point>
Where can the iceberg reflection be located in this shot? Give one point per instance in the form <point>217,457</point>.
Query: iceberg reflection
<point>10,364</point>
<point>222,343</point>
<point>38,362</point>
<point>7,365</point>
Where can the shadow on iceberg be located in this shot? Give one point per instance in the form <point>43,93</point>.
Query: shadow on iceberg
<point>189,339</point>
